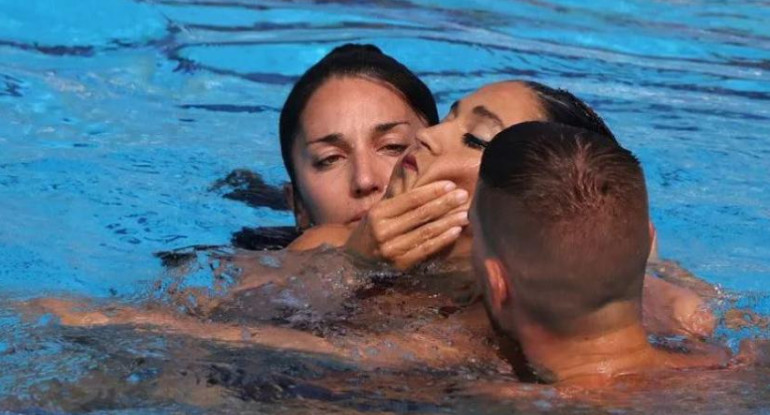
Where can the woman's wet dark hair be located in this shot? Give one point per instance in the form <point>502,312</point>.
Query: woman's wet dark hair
<point>351,60</point>
<point>563,107</point>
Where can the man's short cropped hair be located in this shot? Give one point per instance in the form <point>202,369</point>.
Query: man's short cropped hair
<point>565,209</point>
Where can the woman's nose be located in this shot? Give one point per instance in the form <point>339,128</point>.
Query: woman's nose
<point>368,177</point>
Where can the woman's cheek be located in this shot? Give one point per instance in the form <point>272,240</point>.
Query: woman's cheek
<point>472,176</point>
<point>332,198</point>
<point>464,173</point>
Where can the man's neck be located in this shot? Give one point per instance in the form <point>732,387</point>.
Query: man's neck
<point>586,358</point>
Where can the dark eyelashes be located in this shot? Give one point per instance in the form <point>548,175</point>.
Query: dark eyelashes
<point>399,147</point>
<point>393,149</point>
<point>325,163</point>
<point>472,141</point>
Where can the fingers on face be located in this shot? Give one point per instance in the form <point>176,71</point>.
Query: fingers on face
<point>432,211</point>
<point>423,251</point>
<point>401,204</point>
<point>426,240</point>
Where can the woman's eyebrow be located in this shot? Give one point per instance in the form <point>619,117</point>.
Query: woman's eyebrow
<point>337,139</point>
<point>385,127</point>
<point>333,139</point>
<point>483,111</point>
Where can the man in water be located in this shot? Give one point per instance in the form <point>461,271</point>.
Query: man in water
<point>560,219</point>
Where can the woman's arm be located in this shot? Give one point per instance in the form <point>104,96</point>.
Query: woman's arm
<point>83,314</point>
<point>669,309</point>
<point>673,300</point>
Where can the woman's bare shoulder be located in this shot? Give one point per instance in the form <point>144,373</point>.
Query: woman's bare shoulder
<point>334,235</point>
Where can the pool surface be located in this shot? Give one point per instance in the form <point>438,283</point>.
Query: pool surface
<point>119,116</point>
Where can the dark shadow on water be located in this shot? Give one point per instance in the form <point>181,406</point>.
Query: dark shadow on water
<point>10,86</point>
<point>231,108</point>
<point>181,256</point>
<point>264,237</point>
<point>246,186</point>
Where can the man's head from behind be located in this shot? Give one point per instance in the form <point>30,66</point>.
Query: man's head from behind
<point>561,230</point>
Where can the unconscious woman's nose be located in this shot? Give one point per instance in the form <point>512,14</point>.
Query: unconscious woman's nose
<point>425,139</point>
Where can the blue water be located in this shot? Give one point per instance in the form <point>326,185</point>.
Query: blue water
<point>118,116</point>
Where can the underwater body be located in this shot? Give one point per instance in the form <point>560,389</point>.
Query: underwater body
<point>121,118</point>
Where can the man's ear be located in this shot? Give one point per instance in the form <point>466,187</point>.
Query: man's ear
<point>653,244</point>
<point>301,216</point>
<point>497,284</point>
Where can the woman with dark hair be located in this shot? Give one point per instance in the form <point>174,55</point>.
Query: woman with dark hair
<point>344,125</point>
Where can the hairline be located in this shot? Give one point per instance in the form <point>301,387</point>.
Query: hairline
<point>341,76</point>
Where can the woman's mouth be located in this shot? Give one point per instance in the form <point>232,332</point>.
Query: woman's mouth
<point>409,162</point>
<point>356,218</point>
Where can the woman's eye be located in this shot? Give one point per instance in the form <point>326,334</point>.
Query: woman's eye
<point>395,149</point>
<point>327,162</point>
<point>474,142</point>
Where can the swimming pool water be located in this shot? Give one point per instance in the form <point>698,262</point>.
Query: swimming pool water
<point>119,115</point>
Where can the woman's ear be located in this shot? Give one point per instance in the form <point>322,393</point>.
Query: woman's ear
<point>301,216</point>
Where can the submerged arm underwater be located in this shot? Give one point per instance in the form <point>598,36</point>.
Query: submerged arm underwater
<point>320,301</point>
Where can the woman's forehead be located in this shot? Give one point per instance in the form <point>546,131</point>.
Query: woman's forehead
<point>343,106</point>
<point>512,102</point>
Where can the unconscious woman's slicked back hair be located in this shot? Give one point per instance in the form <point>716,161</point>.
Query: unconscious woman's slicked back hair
<point>351,60</point>
<point>563,107</point>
